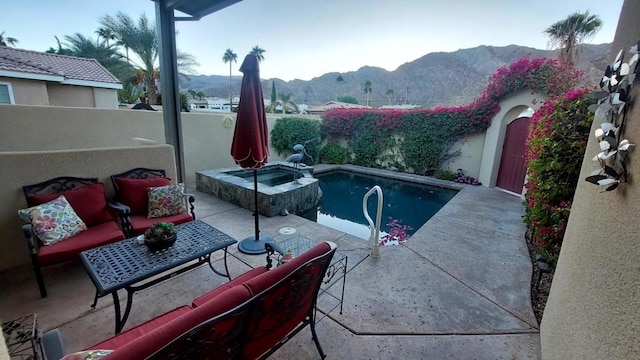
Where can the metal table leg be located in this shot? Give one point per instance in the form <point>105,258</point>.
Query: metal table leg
<point>120,321</point>
<point>226,267</point>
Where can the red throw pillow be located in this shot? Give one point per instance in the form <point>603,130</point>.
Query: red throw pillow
<point>88,202</point>
<point>133,192</point>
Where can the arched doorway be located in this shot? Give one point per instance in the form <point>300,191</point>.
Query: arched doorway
<point>513,165</point>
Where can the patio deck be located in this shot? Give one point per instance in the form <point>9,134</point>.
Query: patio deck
<point>459,287</point>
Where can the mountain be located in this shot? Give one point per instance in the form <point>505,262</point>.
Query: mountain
<point>436,79</point>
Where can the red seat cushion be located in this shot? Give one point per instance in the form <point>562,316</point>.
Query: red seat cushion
<point>259,284</point>
<point>141,223</point>
<point>154,337</point>
<point>88,202</point>
<point>70,248</point>
<point>286,304</point>
<point>224,287</point>
<point>133,333</point>
<point>133,192</point>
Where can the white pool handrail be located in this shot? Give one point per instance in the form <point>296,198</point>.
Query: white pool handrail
<point>374,238</point>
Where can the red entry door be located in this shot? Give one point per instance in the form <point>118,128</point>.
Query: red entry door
<point>513,165</point>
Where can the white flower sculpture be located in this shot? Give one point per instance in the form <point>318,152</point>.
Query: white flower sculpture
<point>610,112</point>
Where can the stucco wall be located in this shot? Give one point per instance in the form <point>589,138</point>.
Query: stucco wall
<point>207,143</point>
<point>24,168</point>
<point>28,92</point>
<point>470,155</point>
<point>68,95</point>
<point>105,98</point>
<point>37,128</point>
<point>510,107</point>
<point>593,311</point>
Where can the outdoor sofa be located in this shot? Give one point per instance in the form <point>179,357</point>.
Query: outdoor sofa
<point>104,221</point>
<point>249,317</point>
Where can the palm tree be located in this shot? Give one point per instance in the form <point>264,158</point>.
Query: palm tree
<point>258,53</point>
<point>569,33</point>
<point>60,50</point>
<point>193,93</point>
<point>286,100</point>
<point>106,34</point>
<point>107,55</point>
<point>8,40</point>
<point>230,57</point>
<point>339,80</point>
<point>141,38</point>
<point>367,90</point>
<point>389,95</point>
<point>126,48</point>
<point>200,94</point>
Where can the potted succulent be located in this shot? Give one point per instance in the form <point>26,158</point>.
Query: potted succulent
<point>160,235</point>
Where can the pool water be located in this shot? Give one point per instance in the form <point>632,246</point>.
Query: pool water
<point>271,177</point>
<point>411,204</point>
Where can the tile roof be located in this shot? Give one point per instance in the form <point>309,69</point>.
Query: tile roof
<point>68,67</point>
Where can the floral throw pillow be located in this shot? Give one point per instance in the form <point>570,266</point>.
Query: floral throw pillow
<point>166,200</point>
<point>53,221</point>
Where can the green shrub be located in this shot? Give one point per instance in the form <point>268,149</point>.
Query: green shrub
<point>445,174</point>
<point>289,131</point>
<point>557,139</point>
<point>333,153</point>
<point>348,99</point>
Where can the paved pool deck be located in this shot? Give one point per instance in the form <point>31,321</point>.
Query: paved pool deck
<point>459,288</point>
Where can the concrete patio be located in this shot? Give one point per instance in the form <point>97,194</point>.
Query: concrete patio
<point>458,289</point>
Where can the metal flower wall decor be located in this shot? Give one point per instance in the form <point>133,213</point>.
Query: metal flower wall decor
<point>610,113</point>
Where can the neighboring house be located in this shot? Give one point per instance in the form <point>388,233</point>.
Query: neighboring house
<point>214,104</point>
<point>35,78</point>
<point>318,110</point>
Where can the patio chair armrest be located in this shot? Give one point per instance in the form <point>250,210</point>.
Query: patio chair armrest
<point>122,209</point>
<point>191,200</point>
<point>32,242</point>
<point>273,248</point>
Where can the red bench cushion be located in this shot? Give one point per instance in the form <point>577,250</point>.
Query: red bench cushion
<point>140,223</point>
<point>88,202</point>
<point>133,192</point>
<point>224,287</point>
<point>213,337</point>
<point>133,333</point>
<point>70,248</point>
<point>285,306</point>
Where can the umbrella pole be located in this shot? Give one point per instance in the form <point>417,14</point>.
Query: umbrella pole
<point>255,208</point>
<point>254,245</point>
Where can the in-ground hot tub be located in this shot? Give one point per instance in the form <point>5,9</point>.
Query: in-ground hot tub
<point>277,189</point>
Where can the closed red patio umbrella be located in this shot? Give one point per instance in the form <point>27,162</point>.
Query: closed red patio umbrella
<point>250,146</point>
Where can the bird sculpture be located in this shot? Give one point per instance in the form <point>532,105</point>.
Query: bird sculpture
<point>296,158</point>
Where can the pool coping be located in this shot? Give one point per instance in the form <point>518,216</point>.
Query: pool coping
<point>413,178</point>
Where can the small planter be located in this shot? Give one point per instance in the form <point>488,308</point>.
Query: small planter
<point>160,236</point>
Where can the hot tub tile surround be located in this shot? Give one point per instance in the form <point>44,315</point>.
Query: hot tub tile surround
<point>294,196</point>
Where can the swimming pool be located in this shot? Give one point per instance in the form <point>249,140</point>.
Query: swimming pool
<point>341,204</point>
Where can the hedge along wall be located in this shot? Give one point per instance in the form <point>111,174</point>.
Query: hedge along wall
<point>556,144</point>
<point>420,140</point>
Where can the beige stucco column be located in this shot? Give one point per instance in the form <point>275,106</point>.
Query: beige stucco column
<point>593,311</point>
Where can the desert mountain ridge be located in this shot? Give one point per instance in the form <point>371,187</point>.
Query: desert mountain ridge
<point>435,79</point>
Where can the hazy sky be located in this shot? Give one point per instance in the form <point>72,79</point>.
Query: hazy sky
<point>306,38</point>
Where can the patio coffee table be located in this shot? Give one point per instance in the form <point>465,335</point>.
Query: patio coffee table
<point>122,264</point>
